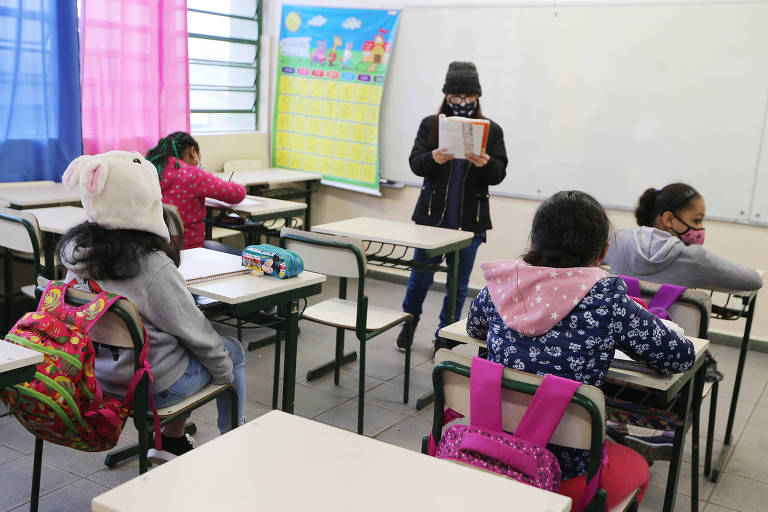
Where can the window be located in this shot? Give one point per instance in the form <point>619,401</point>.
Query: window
<point>223,64</point>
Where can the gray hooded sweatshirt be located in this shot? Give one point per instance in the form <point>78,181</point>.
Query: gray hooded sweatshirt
<point>654,255</point>
<point>175,326</point>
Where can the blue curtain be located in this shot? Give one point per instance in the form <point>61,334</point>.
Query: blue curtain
<point>40,129</point>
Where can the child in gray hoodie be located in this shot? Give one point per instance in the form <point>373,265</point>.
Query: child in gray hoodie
<point>124,248</point>
<point>666,247</point>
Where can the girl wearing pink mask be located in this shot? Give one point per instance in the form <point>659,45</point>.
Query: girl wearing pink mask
<point>666,247</point>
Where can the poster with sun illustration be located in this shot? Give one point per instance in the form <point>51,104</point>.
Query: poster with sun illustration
<point>332,64</point>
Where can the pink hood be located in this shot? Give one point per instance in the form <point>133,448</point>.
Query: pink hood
<point>531,300</point>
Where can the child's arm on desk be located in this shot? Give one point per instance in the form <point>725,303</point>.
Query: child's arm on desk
<point>645,338</point>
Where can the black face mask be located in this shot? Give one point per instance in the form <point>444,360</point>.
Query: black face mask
<point>466,110</point>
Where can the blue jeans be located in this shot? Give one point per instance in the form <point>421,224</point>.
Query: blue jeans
<point>419,283</point>
<point>197,377</point>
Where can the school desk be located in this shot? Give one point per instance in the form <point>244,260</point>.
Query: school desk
<point>746,310</point>
<point>289,463</point>
<point>246,294</point>
<point>17,364</point>
<point>54,222</point>
<point>679,393</point>
<point>258,180</point>
<point>32,196</point>
<point>255,210</point>
<point>387,243</point>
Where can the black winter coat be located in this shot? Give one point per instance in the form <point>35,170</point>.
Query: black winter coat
<point>430,208</point>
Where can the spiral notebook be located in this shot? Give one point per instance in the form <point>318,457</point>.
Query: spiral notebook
<point>199,265</point>
<point>622,360</point>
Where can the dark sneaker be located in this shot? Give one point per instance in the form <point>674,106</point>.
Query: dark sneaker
<point>712,373</point>
<point>172,447</point>
<point>402,338</point>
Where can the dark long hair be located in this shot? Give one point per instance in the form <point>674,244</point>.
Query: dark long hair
<point>570,229</point>
<point>675,197</point>
<point>111,254</point>
<point>446,109</point>
<point>171,145</point>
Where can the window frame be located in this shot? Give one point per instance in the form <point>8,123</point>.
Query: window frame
<point>256,65</point>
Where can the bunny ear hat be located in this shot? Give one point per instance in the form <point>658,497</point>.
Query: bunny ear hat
<point>119,190</point>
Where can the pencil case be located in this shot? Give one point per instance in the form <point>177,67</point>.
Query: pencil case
<point>272,261</point>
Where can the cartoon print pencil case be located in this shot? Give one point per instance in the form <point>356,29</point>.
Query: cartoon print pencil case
<point>272,261</point>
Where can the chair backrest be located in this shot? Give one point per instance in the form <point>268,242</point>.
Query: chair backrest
<point>582,425</point>
<point>172,219</point>
<point>19,231</point>
<point>242,165</point>
<point>339,256</point>
<point>691,310</point>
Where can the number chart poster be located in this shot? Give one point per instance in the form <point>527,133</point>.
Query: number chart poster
<point>332,63</point>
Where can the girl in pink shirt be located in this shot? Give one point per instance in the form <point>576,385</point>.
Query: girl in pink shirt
<point>185,184</point>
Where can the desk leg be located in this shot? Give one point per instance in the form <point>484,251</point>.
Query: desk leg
<point>289,366</point>
<point>682,409</point>
<point>308,200</point>
<point>451,285</point>
<point>727,447</point>
<point>698,388</point>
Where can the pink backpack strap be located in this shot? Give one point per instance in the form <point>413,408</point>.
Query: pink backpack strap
<point>633,286</point>
<point>593,484</point>
<point>145,368</point>
<point>485,394</point>
<point>664,298</point>
<point>546,409</point>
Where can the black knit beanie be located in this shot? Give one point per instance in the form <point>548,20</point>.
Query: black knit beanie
<point>462,79</point>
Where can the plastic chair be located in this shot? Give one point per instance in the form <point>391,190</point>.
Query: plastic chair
<point>344,258</point>
<point>20,233</point>
<point>122,327</point>
<point>582,425</point>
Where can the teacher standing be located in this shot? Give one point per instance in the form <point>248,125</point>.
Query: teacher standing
<point>454,194</point>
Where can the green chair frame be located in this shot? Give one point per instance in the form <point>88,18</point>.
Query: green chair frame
<point>598,503</point>
<point>9,293</point>
<point>126,312</point>
<point>362,333</point>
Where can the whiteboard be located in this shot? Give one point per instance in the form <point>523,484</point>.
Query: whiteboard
<point>610,99</point>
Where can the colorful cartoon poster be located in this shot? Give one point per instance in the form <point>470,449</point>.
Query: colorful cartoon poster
<point>332,64</point>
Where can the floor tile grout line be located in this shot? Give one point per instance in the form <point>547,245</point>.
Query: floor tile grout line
<point>738,438</point>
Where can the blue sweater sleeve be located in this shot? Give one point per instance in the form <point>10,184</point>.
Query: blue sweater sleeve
<point>477,323</point>
<point>645,338</point>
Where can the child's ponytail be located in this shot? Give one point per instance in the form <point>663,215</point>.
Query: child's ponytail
<point>172,145</point>
<point>646,208</point>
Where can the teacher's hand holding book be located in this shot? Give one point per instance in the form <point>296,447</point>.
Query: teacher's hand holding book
<point>478,160</point>
<point>440,156</point>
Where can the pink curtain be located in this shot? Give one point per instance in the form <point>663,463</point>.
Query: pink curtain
<point>135,73</point>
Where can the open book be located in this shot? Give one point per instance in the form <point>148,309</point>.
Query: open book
<point>460,136</point>
<point>199,265</point>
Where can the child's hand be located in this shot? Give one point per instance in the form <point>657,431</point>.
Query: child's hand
<point>478,160</point>
<point>440,156</point>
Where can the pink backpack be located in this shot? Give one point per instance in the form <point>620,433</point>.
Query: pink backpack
<point>64,403</point>
<point>521,456</point>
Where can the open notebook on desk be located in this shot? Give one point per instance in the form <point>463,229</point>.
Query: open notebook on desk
<point>199,265</point>
<point>248,202</point>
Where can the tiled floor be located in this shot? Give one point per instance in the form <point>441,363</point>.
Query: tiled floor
<point>72,478</point>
